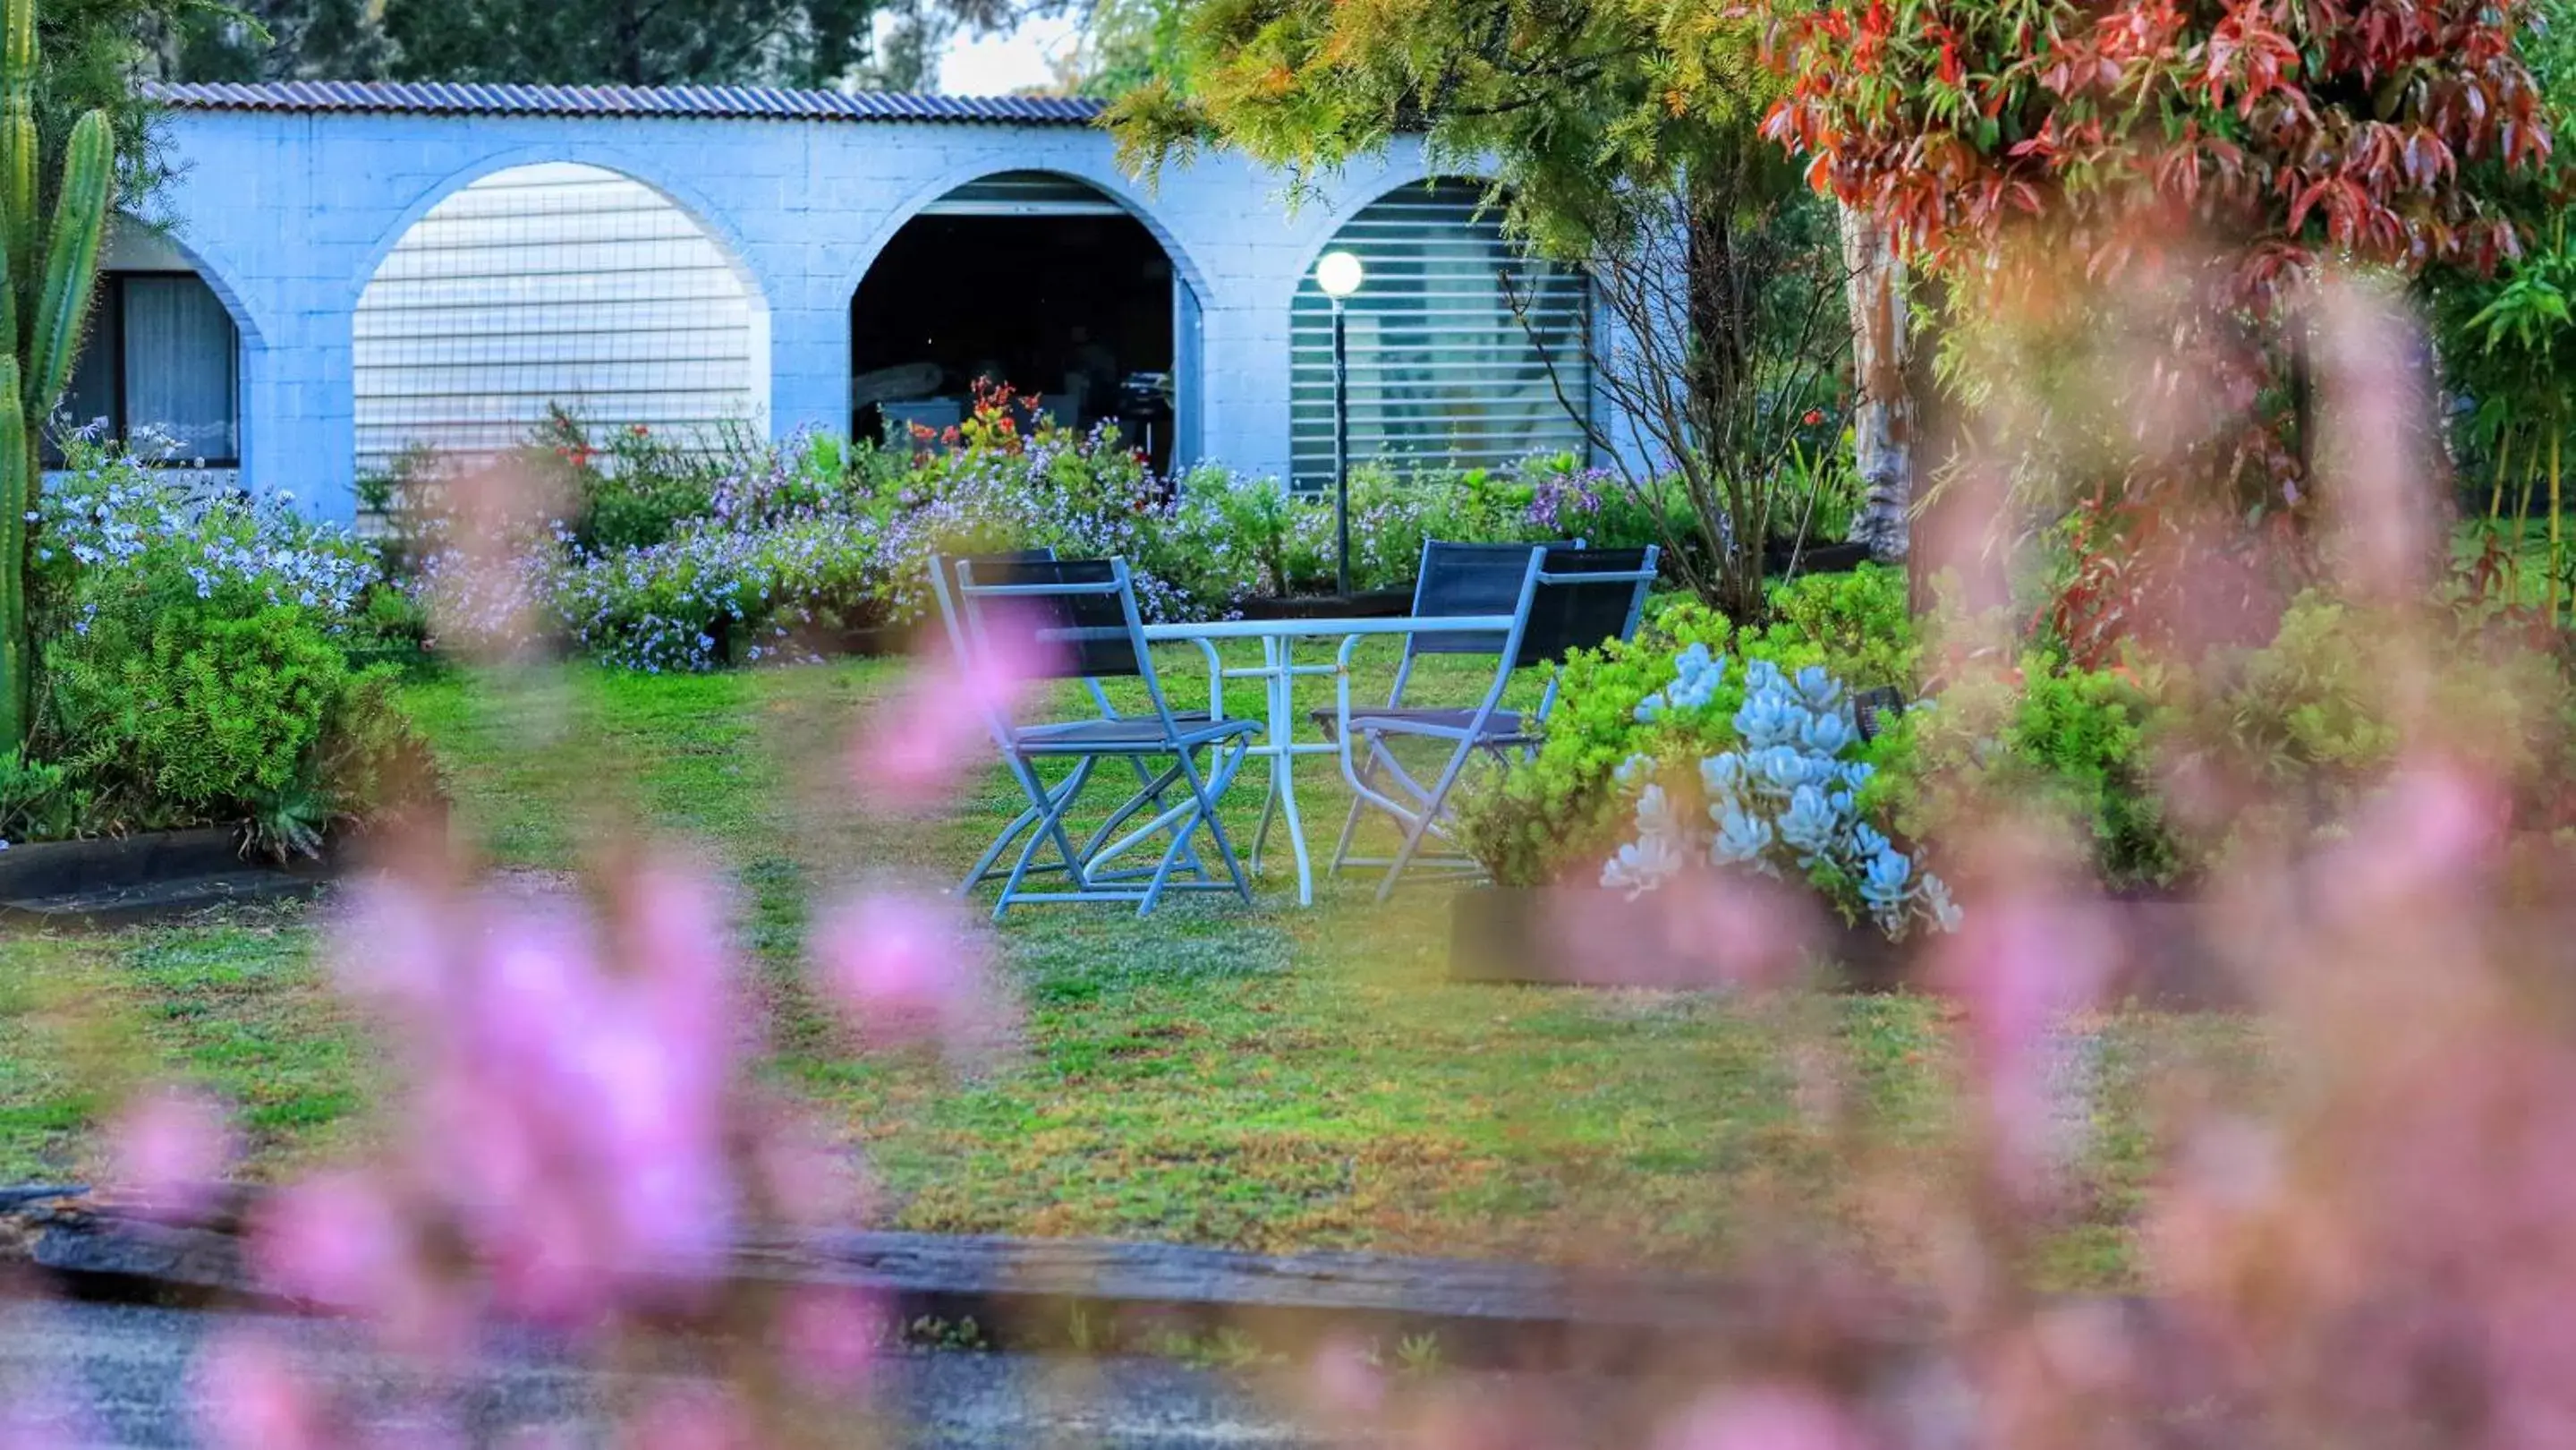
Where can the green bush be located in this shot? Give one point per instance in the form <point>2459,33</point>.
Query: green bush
<point>1860,622</point>
<point>2057,742</point>
<point>197,665</point>
<point>1530,821</point>
<point>631,490</point>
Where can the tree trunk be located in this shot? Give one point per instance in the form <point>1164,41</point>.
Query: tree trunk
<point>1883,405</point>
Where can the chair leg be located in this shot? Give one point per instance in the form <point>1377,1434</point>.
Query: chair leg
<point>1153,790</point>
<point>1205,794</point>
<point>1362,776</point>
<point>1030,817</point>
<point>1433,802</point>
<point>1052,826</point>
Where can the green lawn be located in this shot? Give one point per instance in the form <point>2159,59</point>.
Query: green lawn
<point>1266,1077</point>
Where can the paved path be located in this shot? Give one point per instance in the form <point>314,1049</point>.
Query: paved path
<point>127,1368</point>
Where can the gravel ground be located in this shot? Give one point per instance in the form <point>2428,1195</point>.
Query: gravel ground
<point>120,1376</point>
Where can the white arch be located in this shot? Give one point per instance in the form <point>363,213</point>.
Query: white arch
<point>555,282</point>
<point>1109,186</point>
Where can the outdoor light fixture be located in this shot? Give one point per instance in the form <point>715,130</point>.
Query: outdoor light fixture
<point>1339,274</point>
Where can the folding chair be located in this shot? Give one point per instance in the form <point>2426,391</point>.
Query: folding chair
<point>944,570</point>
<point>1561,597</point>
<point>1081,614</point>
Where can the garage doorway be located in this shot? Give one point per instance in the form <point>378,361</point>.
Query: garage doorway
<point>1033,281</point>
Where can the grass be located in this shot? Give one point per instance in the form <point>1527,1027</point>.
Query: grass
<point>1264,1077</point>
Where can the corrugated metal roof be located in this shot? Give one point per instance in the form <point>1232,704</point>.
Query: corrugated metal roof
<point>699,102</point>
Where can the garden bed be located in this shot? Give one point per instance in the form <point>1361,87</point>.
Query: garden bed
<point>1555,936</point>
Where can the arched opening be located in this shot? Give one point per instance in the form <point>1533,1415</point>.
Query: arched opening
<point>1030,280</point>
<point>1464,352</point>
<point>160,367</point>
<point>555,285</point>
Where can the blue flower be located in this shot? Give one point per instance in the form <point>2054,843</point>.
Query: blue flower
<point>1780,769</point>
<point>1885,877</point>
<point>1819,689</point>
<point>1768,719</point>
<point>1827,733</point>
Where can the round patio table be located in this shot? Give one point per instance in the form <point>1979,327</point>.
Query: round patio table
<point>1280,672</point>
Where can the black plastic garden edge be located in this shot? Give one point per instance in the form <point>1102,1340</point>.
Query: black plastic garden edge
<point>112,881</point>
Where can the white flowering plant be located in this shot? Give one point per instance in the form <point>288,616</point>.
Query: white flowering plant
<point>198,656</point>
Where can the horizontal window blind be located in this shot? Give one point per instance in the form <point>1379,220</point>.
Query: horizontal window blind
<point>1443,373</point>
<point>553,283</point>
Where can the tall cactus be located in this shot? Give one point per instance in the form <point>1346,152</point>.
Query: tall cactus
<point>48,268</point>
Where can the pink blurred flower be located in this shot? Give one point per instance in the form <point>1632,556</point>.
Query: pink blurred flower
<point>1763,1418</point>
<point>2020,965</point>
<point>249,1397</point>
<point>915,746</point>
<point>904,967</point>
<point>337,1240</point>
<point>37,1415</point>
<point>692,1417</point>
<point>1345,1380</point>
<point>828,1336</point>
<point>168,1151</point>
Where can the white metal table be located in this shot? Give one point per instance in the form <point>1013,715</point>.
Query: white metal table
<point>1280,672</point>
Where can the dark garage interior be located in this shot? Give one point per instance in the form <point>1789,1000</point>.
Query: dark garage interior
<point>1073,309</point>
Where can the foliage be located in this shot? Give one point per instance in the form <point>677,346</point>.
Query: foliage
<point>2509,344</point>
<point>200,666</point>
<point>1619,136</point>
<point>886,44</point>
<point>1860,622</point>
<point>39,801</point>
<point>2062,743</point>
<point>631,492</point>
<point>48,266</point>
<point>2127,210</point>
<point>1784,799</point>
<point>668,560</point>
<point>1533,820</point>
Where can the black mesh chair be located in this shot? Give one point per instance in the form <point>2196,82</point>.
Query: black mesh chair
<point>945,570</point>
<point>1080,616</point>
<point>1561,597</point>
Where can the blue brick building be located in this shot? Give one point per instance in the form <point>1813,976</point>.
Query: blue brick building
<point>340,271</point>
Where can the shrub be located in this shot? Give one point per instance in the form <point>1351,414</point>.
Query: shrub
<point>198,659</point>
<point>1859,622</point>
<point>2060,742</point>
<point>632,490</point>
<point>1533,820</point>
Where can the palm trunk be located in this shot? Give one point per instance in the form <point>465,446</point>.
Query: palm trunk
<point>1883,405</point>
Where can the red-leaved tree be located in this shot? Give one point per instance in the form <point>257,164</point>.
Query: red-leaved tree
<point>2159,179</point>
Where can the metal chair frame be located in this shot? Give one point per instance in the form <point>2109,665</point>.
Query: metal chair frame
<point>1181,739</point>
<point>944,581</point>
<point>1421,814</point>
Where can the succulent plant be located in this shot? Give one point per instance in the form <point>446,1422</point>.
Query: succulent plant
<point>1784,801</point>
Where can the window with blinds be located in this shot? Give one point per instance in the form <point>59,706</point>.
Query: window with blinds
<point>1443,374</point>
<point>554,284</point>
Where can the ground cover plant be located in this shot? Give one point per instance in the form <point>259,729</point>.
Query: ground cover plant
<point>640,553</point>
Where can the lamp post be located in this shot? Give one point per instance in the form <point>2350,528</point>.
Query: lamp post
<point>1339,275</point>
